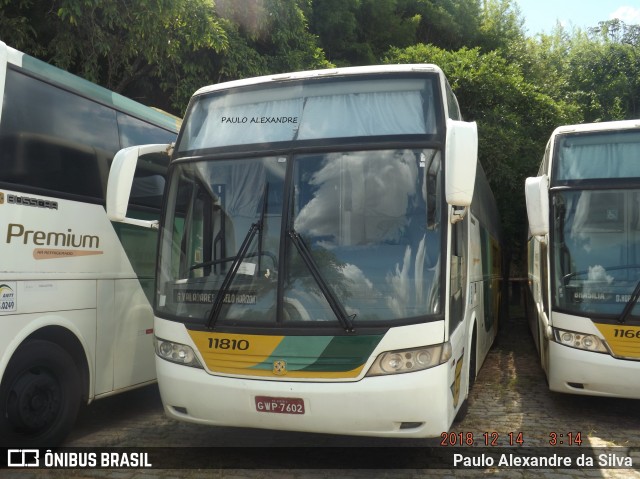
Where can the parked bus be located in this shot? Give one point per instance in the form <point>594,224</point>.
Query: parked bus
<point>322,266</point>
<point>584,259</point>
<point>76,320</point>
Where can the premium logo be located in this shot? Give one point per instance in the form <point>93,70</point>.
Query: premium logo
<point>90,244</point>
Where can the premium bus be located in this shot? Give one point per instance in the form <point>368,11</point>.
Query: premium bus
<point>329,256</point>
<point>584,259</point>
<point>76,321</point>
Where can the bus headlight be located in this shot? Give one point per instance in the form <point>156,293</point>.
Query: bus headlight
<point>587,342</point>
<point>409,360</point>
<point>176,353</point>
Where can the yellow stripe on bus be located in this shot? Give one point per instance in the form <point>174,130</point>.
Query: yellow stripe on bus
<point>235,350</point>
<point>240,354</point>
<point>623,340</point>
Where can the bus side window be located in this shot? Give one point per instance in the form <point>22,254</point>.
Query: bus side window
<point>50,163</point>
<point>145,203</point>
<point>54,140</point>
<point>137,132</point>
<point>458,273</point>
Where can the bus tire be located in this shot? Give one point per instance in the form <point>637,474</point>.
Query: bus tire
<point>40,396</point>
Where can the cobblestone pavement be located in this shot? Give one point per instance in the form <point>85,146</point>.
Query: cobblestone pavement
<point>509,396</point>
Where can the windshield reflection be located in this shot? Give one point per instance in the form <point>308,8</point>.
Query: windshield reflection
<point>362,242</point>
<point>365,215</point>
<point>596,250</point>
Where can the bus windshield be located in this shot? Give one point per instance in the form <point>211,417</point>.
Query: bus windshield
<point>271,221</point>
<point>596,236</point>
<point>369,222</point>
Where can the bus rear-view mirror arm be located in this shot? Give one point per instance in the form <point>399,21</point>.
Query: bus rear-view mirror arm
<point>121,175</point>
<point>536,191</point>
<point>460,166</point>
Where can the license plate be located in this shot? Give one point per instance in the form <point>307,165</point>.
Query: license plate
<point>280,405</point>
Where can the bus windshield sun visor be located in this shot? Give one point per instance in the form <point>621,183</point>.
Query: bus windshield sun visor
<point>336,306</point>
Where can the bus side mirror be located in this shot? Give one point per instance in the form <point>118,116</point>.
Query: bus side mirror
<point>121,175</point>
<point>460,165</point>
<point>536,191</point>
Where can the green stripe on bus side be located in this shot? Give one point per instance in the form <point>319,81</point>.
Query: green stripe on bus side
<point>301,350</point>
<point>297,351</point>
<point>322,353</point>
<point>345,353</point>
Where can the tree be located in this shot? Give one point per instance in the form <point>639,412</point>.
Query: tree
<point>448,24</point>
<point>381,25</point>
<point>117,44</point>
<point>335,23</point>
<point>604,72</point>
<point>514,121</point>
<point>23,23</point>
<point>501,26</point>
<point>266,37</point>
<point>544,62</point>
<point>160,51</point>
<point>358,32</point>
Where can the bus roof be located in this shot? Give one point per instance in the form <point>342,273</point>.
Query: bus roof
<point>417,67</point>
<point>601,126</point>
<point>90,90</point>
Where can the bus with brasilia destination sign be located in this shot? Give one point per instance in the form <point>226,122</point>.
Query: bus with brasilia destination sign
<point>584,259</point>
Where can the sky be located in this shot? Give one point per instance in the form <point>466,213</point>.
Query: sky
<point>541,15</point>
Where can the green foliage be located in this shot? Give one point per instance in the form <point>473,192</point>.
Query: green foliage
<point>265,37</point>
<point>501,26</point>
<point>117,44</point>
<point>515,119</point>
<point>448,24</point>
<point>382,26</point>
<point>335,23</point>
<point>598,71</point>
<point>358,32</point>
<point>18,29</point>
<point>604,71</point>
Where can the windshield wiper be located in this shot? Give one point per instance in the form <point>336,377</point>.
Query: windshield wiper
<point>237,261</point>
<point>630,304</point>
<point>228,278</point>
<point>336,306</point>
<point>257,254</point>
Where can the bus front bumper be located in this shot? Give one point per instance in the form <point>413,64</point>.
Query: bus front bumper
<point>405,405</point>
<point>575,371</point>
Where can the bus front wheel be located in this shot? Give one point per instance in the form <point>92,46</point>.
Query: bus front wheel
<point>39,396</point>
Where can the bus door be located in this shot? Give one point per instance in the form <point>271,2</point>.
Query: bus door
<point>457,295</point>
<point>134,356</point>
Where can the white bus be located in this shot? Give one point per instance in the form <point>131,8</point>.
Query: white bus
<point>76,321</point>
<point>584,259</point>
<point>322,266</point>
